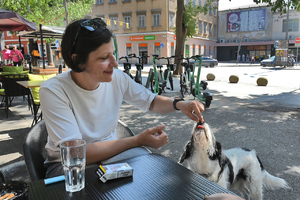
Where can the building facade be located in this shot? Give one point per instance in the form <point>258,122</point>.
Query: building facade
<point>146,27</point>
<point>254,31</point>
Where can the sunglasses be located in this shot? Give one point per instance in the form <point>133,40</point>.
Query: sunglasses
<point>90,25</point>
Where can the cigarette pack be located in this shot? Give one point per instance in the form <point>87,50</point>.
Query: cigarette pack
<point>113,171</point>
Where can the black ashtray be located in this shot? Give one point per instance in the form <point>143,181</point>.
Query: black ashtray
<point>15,190</point>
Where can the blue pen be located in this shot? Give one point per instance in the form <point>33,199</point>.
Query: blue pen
<point>54,179</point>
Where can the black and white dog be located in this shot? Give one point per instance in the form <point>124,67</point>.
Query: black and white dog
<point>237,168</point>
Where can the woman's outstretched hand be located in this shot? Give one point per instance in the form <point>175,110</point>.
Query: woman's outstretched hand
<point>153,137</point>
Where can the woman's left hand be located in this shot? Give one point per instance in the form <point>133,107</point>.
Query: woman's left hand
<point>192,109</point>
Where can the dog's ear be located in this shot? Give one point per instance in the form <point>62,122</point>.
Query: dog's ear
<point>217,153</point>
<point>186,153</point>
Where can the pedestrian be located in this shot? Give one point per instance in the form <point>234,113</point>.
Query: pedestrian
<point>247,57</point>
<point>84,102</point>
<point>17,56</point>
<point>243,57</point>
<point>35,55</point>
<point>5,55</point>
<point>252,59</point>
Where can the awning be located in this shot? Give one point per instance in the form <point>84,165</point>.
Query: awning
<point>47,32</point>
<point>12,21</point>
<point>42,33</point>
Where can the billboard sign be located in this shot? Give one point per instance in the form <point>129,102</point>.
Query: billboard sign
<point>250,20</point>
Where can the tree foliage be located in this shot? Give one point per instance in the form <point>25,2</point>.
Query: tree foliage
<point>187,24</point>
<point>48,12</point>
<point>280,5</point>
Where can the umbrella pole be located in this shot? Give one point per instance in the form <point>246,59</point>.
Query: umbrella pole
<point>42,43</point>
<point>20,47</point>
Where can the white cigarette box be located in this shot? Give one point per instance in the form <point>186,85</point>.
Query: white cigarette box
<point>113,171</point>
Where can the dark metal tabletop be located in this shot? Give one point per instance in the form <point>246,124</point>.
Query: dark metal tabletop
<point>154,177</point>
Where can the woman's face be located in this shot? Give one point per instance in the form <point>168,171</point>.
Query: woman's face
<point>101,63</point>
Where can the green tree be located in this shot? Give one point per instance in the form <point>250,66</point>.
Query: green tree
<point>186,25</point>
<point>280,5</point>
<point>48,12</point>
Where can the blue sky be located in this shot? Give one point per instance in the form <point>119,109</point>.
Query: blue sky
<point>226,4</point>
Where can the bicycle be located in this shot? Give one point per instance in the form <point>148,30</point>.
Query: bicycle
<point>188,84</point>
<point>168,72</point>
<point>155,79</point>
<point>127,65</point>
<point>139,67</point>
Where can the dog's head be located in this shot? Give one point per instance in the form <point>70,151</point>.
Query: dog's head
<point>202,141</point>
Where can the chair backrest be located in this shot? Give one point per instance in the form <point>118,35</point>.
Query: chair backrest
<point>34,151</point>
<point>12,88</point>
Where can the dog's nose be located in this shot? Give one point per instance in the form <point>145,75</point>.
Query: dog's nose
<point>199,125</point>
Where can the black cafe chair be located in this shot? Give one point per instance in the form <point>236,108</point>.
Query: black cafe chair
<point>35,153</point>
<point>12,89</point>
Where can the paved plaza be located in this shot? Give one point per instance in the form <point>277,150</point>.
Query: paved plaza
<point>241,115</point>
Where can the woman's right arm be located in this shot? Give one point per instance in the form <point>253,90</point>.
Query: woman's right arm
<point>153,137</point>
<point>61,125</point>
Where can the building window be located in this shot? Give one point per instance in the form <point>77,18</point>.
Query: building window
<point>215,11</point>
<point>210,10</point>
<point>187,2</point>
<point>113,23</point>
<point>194,50</point>
<point>215,31</point>
<point>172,49</point>
<point>112,1</point>
<point>126,1</point>
<point>157,48</point>
<point>128,49</point>
<point>210,29</point>
<point>141,21</point>
<point>292,26</point>
<point>194,2</point>
<point>127,20</point>
<point>99,1</point>
<point>156,19</point>
<point>200,2</point>
<point>205,27</point>
<point>200,27</point>
<point>172,20</point>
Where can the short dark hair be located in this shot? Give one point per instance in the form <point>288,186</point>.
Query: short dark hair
<point>86,42</point>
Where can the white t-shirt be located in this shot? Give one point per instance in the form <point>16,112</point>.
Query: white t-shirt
<point>71,112</point>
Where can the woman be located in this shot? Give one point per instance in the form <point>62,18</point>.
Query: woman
<point>17,56</point>
<point>84,103</point>
<point>5,55</point>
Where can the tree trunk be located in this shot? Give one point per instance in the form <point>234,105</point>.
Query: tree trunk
<point>180,35</point>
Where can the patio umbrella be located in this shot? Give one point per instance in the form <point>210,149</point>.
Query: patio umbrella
<point>12,21</point>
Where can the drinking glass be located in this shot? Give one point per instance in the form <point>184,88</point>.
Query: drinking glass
<point>73,159</point>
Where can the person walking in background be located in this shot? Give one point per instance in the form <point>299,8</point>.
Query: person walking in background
<point>252,59</point>
<point>5,55</point>
<point>35,55</point>
<point>17,56</point>
<point>243,57</point>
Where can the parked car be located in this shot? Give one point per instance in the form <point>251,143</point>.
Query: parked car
<point>208,61</point>
<point>271,62</point>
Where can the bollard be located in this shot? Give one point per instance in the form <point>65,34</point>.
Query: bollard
<point>262,81</point>
<point>233,79</point>
<point>210,77</point>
